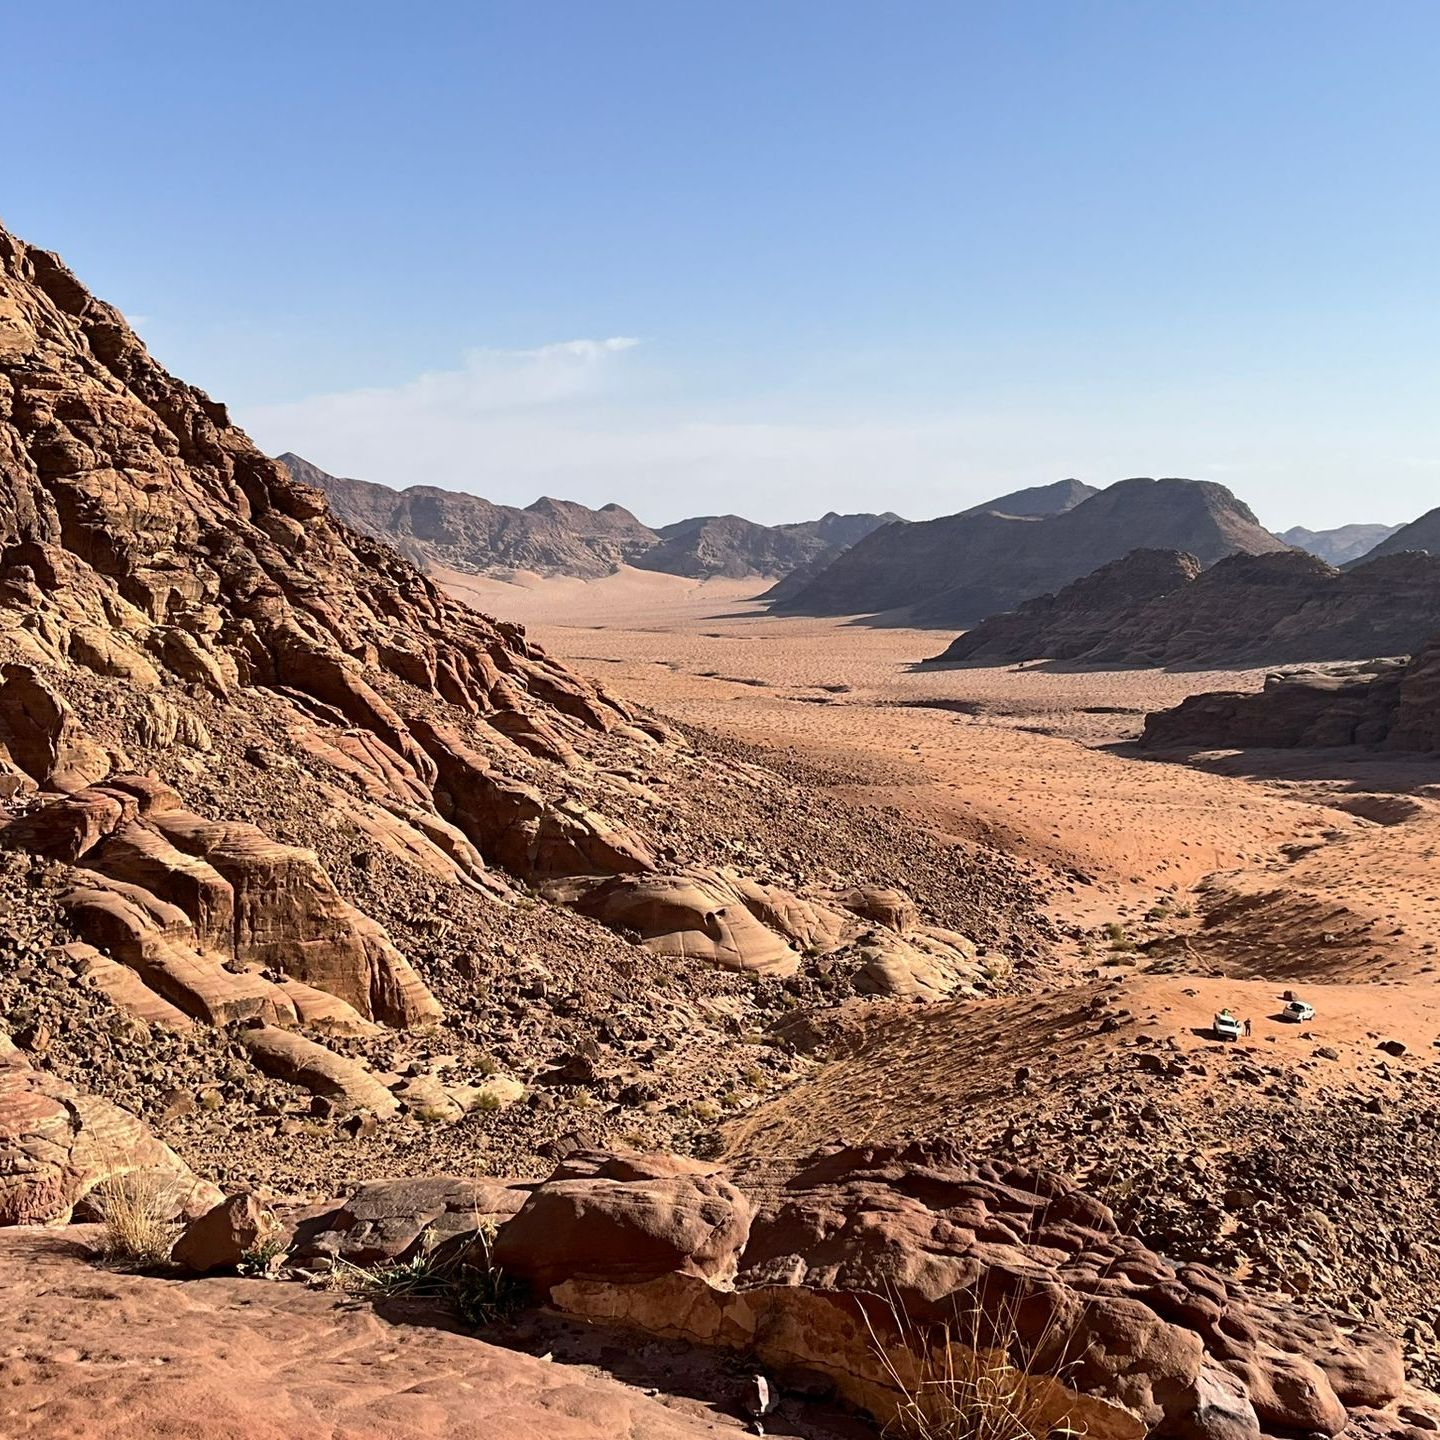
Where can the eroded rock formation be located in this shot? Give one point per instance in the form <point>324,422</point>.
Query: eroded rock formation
<point>58,1144</point>
<point>877,1267</point>
<point>170,598</point>
<point>1391,705</point>
<point>1159,607</point>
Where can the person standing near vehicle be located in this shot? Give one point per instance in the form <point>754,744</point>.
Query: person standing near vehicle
<point>1247,1029</point>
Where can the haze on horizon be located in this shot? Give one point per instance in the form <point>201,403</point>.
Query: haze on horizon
<point>774,260</point>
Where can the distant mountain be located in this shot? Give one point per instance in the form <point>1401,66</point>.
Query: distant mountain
<point>1345,543</point>
<point>465,532</point>
<point>961,568</point>
<point>730,545</point>
<point>1422,534</point>
<point>1158,607</point>
<point>560,537</point>
<point>1037,500</point>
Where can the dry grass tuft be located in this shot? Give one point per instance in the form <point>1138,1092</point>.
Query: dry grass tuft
<point>972,1379</point>
<point>135,1210</point>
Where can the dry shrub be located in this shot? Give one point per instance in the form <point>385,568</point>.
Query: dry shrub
<point>136,1210</point>
<point>973,1378</point>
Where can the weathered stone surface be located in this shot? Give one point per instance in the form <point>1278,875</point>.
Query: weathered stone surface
<point>625,1219</point>
<point>57,1145</point>
<point>288,914</point>
<point>307,1063</point>
<point>42,735</point>
<point>1391,705</point>
<point>700,915</point>
<point>155,939</point>
<point>388,1220</point>
<point>843,1246</point>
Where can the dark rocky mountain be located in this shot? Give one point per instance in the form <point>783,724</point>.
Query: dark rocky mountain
<point>1341,545</point>
<point>466,532</point>
<point>959,569</point>
<point>1159,607</point>
<point>559,537</point>
<point>1037,500</point>
<point>1422,534</point>
<point>1383,704</point>
<point>735,547</point>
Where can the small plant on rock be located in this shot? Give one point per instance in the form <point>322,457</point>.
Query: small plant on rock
<point>263,1258</point>
<point>466,1279</point>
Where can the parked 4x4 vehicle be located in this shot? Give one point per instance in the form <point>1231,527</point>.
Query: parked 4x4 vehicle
<point>1226,1026</point>
<point>1298,1010</point>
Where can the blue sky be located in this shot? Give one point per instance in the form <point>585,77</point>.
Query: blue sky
<point>768,257</point>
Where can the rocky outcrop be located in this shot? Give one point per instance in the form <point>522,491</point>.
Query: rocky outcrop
<point>883,1269</point>
<point>58,1144</point>
<point>178,899</point>
<point>1391,705</point>
<point>626,1220</point>
<point>316,1068</point>
<point>959,569</point>
<point>735,923</point>
<point>1070,624</point>
<point>223,1237</point>
<point>391,1220</point>
<point>1160,608</point>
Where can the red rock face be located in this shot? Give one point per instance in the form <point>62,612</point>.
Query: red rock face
<point>57,1145</point>
<point>868,1265</point>
<point>1389,705</point>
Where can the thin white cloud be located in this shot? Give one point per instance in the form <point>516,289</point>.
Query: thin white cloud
<point>586,420</point>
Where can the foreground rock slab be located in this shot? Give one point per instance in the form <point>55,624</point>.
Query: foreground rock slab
<point>94,1355</point>
<point>884,1268</point>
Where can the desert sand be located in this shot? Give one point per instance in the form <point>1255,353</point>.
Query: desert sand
<point>1035,759</point>
<point>1277,869</point>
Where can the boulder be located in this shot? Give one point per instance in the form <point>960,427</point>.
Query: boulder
<point>223,1236</point>
<point>389,1220</point>
<point>625,1219</point>
<point>700,915</point>
<point>298,1061</point>
<point>40,731</point>
<point>879,1266</point>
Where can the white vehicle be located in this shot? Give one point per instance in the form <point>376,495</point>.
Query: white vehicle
<point>1226,1026</point>
<point>1298,1010</point>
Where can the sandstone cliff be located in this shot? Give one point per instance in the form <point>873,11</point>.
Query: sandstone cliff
<point>1392,705</point>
